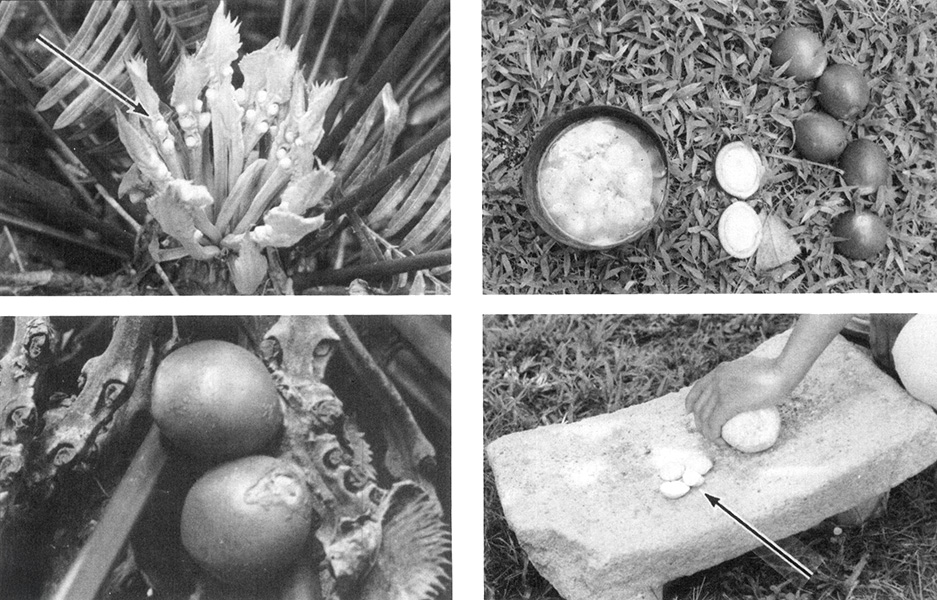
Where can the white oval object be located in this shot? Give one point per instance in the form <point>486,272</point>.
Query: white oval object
<point>671,471</point>
<point>674,489</point>
<point>754,430</point>
<point>699,463</point>
<point>915,356</point>
<point>740,230</point>
<point>692,478</point>
<point>739,170</point>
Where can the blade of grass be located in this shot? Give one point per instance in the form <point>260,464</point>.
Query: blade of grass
<point>425,66</point>
<point>55,201</point>
<point>97,557</point>
<point>286,13</point>
<point>309,11</point>
<point>363,51</point>
<point>154,73</point>
<point>386,176</point>
<point>17,79</point>
<point>392,65</point>
<point>430,260</point>
<point>62,235</point>
<point>325,40</point>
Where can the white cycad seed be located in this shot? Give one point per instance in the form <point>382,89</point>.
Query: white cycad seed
<point>671,471</point>
<point>674,489</point>
<point>692,478</point>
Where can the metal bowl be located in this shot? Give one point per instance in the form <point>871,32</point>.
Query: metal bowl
<point>631,130</point>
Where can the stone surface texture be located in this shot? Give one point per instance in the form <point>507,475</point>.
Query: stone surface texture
<point>584,498</point>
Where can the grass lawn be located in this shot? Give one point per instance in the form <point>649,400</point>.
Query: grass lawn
<point>540,370</point>
<point>699,70</point>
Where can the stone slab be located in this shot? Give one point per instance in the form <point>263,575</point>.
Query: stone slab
<point>583,498</point>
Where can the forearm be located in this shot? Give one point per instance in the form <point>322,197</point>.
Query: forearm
<point>809,338</point>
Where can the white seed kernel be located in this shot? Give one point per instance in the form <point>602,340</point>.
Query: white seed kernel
<point>160,127</point>
<point>204,120</point>
<point>191,141</point>
<point>261,96</point>
<point>250,114</point>
<point>211,94</point>
<point>281,153</point>
<point>262,127</point>
<point>227,71</point>
<point>692,478</point>
<point>674,489</point>
<point>290,136</point>
<point>240,96</point>
<point>273,108</point>
<point>285,163</point>
<point>198,105</point>
<point>187,122</point>
<point>671,471</point>
<point>182,109</point>
<point>699,463</point>
<point>168,145</point>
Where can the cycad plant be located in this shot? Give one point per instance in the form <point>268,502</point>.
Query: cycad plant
<point>270,171</point>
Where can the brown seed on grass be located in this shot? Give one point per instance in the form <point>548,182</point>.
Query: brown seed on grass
<point>864,166</point>
<point>864,234</point>
<point>819,137</point>
<point>805,51</point>
<point>843,91</point>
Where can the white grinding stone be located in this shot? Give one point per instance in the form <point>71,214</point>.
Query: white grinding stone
<point>699,463</point>
<point>674,489</point>
<point>692,478</point>
<point>671,471</point>
<point>754,430</point>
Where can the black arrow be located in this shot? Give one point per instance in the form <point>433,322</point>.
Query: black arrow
<point>769,544</point>
<point>134,107</point>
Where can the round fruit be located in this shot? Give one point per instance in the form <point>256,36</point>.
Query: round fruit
<point>739,170</point>
<point>216,401</point>
<point>805,51</point>
<point>864,165</point>
<point>843,91</point>
<point>754,430</point>
<point>740,230</point>
<point>864,234</point>
<point>819,137</point>
<point>915,354</point>
<point>247,520</point>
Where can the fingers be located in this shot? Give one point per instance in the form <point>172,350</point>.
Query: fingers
<point>693,396</point>
<point>698,388</point>
<point>707,407</point>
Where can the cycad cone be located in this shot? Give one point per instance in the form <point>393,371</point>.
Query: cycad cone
<point>915,355</point>
<point>740,230</point>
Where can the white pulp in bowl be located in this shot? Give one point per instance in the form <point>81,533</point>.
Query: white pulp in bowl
<point>601,181</point>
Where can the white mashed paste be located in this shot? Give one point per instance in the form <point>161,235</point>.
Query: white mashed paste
<point>596,181</point>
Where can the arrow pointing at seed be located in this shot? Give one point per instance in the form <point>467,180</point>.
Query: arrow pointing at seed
<point>715,501</point>
<point>135,107</point>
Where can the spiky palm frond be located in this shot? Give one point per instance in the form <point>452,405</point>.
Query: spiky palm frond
<point>112,34</point>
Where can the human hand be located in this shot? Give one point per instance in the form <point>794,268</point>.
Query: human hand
<point>733,387</point>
